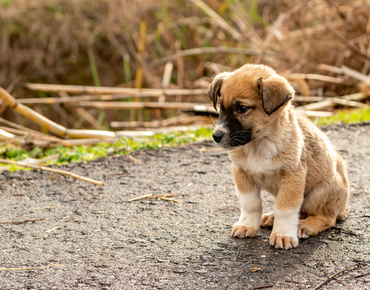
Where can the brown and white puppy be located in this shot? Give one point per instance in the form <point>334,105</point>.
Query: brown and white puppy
<point>275,149</point>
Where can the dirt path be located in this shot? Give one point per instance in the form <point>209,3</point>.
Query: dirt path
<point>93,238</point>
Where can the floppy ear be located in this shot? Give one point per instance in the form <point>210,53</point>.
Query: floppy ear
<point>215,88</point>
<point>274,94</point>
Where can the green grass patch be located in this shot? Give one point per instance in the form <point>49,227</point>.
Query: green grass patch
<point>350,116</point>
<point>86,153</point>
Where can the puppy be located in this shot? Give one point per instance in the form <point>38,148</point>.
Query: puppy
<point>273,148</point>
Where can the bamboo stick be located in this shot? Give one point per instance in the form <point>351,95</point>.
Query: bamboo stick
<point>184,119</point>
<point>144,105</point>
<point>355,97</point>
<point>5,134</point>
<point>349,103</point>
<point>319,78</point>
<point>31,132</point>
<point>31,114</point>
<point>73,133</point>
<point>63,172</point>
<point>50,125</point>
<point>330,68</point>
<point>355,74</point>
<point>313,113</point>
<point>132,92</point>
<point>76,142</point>
<point>317,106</point>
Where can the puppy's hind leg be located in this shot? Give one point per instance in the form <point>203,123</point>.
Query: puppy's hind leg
<point>313,225</point>
<point>325,205</point>
<point>251,206</point>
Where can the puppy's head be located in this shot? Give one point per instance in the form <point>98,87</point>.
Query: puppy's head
<point>249,100</point>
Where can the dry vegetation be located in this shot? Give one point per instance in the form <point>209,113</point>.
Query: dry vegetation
<point>175,44</point>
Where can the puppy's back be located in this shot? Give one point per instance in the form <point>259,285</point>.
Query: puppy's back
<point>324,164</point>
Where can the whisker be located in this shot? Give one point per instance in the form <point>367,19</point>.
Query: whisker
<point>212,120</point>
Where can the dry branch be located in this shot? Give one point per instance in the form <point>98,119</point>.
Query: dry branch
<point>219,20</point>
<point>50,125</point>
<point>337,273</point>
<point>330,102</point>
<point>204,50</point>
<point>355,74</point>
<point>319,78</point>
<point>113,90</point>
<point>330,68</point>
<point>183,119</point>
<point>63,172</point>
<point>144,105</point>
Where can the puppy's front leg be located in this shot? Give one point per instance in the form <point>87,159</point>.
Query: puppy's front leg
<point>286,209</point>
<point>251,206</point>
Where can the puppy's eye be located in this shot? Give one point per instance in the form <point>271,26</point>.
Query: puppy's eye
<point>241,109</point>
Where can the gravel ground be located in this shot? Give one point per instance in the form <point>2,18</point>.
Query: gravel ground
<point>90,237</point>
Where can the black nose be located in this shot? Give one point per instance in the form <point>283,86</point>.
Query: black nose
<point>217,136</point>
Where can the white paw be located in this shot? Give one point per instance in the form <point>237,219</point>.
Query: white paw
<point>241,231</point>
<point>283,241</point>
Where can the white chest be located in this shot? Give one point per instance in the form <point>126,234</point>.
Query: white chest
<point>257,160</point>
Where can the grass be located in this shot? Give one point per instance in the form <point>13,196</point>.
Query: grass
<point>127,145</point>
<point>86,153</point>
<point>350,116</point>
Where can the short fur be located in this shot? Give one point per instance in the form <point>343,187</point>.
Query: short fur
<point>275,149</point>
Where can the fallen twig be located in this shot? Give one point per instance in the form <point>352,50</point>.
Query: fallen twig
<point>169,199</point>
<point>22,222</point>
<point>263,287</point>
<point>136,160</point>
<point>163,197</point>
<point>140,197</point>
<point>30,268</point>
<point>351,277</point>
<point>63,172</point>
<point>339,272</point>
<point>116,173</point>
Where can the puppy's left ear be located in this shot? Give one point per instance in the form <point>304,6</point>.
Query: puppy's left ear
<point>215,88</point>
<point>274,93</point>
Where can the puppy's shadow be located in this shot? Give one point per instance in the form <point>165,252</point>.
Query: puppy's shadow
<point>254,261</point>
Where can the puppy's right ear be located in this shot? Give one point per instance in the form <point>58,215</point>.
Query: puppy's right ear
<point>215,88</point>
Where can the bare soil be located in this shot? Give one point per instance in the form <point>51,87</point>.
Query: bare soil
<point>89,237</point>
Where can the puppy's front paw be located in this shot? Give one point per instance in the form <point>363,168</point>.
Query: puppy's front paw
<point>240,231</point>
<point>283,241</point>
<point>267,219</point>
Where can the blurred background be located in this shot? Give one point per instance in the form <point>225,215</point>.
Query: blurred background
<point>174,45</point>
